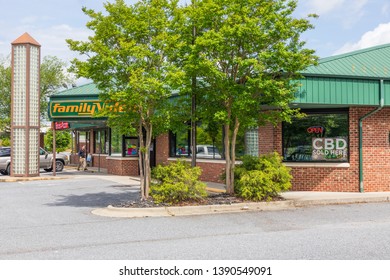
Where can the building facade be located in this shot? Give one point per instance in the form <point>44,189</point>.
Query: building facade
<point>342,143</point>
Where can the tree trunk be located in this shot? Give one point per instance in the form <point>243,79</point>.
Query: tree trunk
<point>193,123</point>
<point>147,170</point>
<point>229,183</point>
<point>140,161</point>
<point>229,187</point>
<point>233,150</point>
<point>193,103</point>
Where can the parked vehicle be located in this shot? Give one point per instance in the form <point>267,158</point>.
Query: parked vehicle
<point>45,160</point>
<point>202,151</point>
<point>207,151</point>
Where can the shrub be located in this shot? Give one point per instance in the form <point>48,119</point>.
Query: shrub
<point>5,142</point>
<point>177,182</point>
<point>262,178</point>
<point>63,140</point>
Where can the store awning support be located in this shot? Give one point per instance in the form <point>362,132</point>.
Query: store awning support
<point>381,105</point>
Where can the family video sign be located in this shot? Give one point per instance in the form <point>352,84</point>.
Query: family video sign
<point>330,149</point>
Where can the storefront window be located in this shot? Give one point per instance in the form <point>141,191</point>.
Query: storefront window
<point>131,146</point>
<point>209,138</point>
<point>101,141</point>
<point>209,141</point>
<point>116,143</point>
<point>320,136</point>
<point>124,146</point>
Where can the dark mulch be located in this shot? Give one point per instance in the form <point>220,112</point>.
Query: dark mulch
<point>213,199</point>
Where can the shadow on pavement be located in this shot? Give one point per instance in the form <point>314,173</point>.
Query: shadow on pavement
<point>101,199</point>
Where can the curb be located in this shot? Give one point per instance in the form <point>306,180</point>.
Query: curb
<point>119,212</point>
<point>170,211</point>
<point>335,201</point>
<point>21,179</point>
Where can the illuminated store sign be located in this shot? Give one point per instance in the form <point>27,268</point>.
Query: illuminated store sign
<point>77,109</point>
<point>61,125</point>
<point>330,149</point>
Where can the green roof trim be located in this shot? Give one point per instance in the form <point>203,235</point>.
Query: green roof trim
<point>84,90</point>
<point>371,63</point>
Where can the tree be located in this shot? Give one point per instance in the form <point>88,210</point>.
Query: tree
<point>5,97</point>
<point>52,78</point>
<point>250,53</point>
<point>63,140</point>
<point>127,58</point>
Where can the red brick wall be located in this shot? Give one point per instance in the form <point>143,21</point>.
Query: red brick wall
<point>212,171</point>
<point>266,139</point>
<point>376,157</point>
<point>376,150</point>
<point>123,166</point>
<point>102,160</point>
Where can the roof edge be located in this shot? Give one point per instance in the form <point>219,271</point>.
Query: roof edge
<point>25,38</point>
<point>352,53</point>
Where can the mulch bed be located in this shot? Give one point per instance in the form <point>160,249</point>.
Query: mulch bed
<point>212,199</point>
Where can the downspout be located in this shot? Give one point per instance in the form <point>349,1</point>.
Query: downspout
<point>381,104</point>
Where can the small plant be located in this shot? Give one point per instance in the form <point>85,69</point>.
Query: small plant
<point>177,182</point>
<point>262,178</point>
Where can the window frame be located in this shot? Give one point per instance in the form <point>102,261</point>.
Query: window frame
<point>308,112</point>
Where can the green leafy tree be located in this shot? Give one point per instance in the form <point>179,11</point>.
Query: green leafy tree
<point>249,52</point>
<point>63,140</point>
<point>53,76</point>
<point>5,96</point>
<point>127,58</point>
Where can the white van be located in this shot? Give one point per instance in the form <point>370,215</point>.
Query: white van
<point>202,151</point>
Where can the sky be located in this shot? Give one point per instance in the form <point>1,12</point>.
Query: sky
<point>342,26</point>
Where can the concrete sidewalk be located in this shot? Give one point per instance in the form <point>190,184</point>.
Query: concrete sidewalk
<point>292,199</point>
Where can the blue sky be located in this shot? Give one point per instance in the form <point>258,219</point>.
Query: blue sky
<point>342,26</point>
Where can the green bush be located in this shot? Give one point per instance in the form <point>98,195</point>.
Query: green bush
<point>177,182</point>
<point>261,178</point>
<point>5,142</point>
<point>63,140</point>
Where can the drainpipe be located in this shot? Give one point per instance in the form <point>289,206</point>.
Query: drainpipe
<point>381,104</point>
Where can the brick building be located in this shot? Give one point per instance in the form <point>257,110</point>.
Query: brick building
<point>342,144</point>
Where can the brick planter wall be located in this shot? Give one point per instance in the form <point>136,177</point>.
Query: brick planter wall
<point>345,177</point>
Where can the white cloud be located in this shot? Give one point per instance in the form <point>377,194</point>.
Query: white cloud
<point>347,12</point>
<point>322,7</point>
<point>379,36</point>
<point>53,40</point>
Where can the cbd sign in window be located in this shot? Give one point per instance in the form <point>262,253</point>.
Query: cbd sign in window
<point>330,149</point>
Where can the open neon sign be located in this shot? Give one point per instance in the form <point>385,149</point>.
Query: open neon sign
<point>316,129</point>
